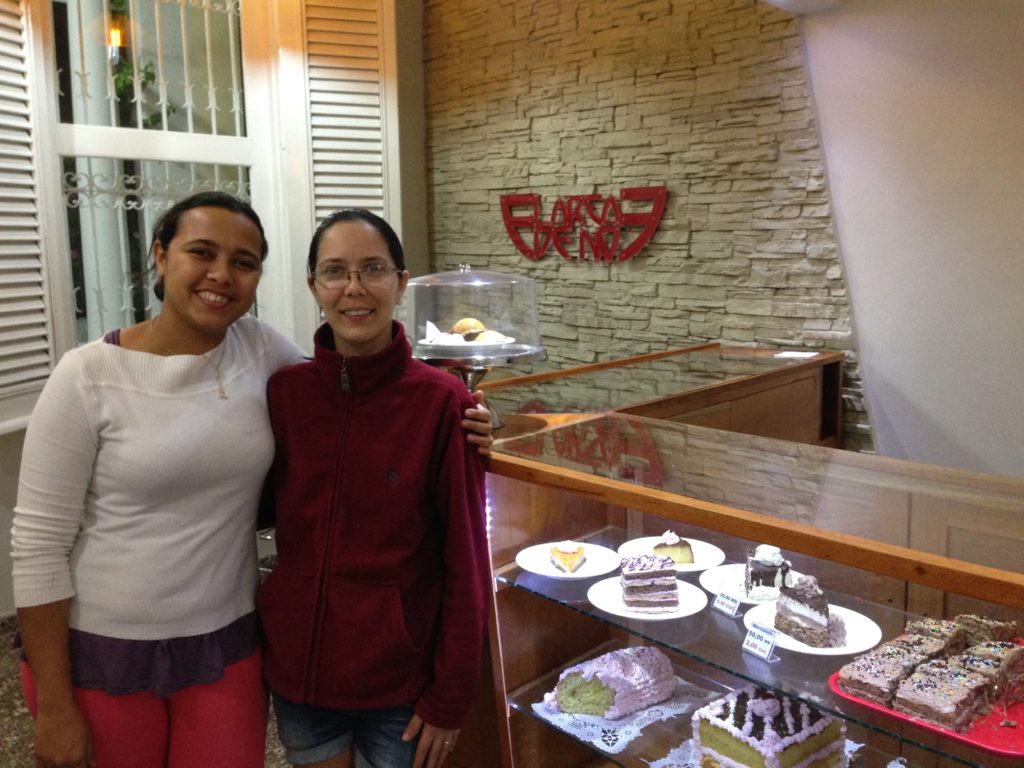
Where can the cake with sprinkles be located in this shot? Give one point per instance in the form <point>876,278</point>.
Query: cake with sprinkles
<point>876,675</point>
<point>615,684</point>
<point>927,673</point>
<point>943,693</point>
<point>753,727</point>
<point>981,629</point>
<point>952,634</point>
<point>1002,663</point>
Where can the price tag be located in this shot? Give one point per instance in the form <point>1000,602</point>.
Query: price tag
<point>727,604</point>
<point>760,641</point>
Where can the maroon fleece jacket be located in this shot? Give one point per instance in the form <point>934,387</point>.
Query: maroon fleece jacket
<point>380,594</point>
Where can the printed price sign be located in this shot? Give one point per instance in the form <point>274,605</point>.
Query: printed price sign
<point>727,604</point>
<point>760,641</point>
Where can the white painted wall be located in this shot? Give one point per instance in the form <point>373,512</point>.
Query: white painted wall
<point>921,111</point>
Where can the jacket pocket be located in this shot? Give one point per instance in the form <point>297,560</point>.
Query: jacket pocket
<point>287,607</point>
<point>366,652</point>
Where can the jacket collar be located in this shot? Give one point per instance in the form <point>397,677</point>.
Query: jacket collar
<point>364,373</point>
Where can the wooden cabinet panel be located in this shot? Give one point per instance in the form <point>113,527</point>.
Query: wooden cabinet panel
<point>791,411</point>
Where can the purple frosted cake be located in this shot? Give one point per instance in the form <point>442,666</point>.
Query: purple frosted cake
<point>649,584</point>
<point>616,684</point>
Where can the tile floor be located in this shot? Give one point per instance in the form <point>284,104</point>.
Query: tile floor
<point>16,725</point>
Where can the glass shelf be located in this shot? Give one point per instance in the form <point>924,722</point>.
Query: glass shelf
<point>713,639</point>
<point>637,380</point>
<point>670,736</point>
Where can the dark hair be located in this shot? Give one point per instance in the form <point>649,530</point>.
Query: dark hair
<point>167,225</point>
<point>357,214</point>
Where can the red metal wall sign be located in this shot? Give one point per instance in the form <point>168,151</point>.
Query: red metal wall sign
<point>598,227</point>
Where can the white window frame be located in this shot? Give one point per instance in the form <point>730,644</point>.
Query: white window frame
<point>276,150</point>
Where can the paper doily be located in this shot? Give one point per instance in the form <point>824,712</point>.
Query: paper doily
<point>612,736</point>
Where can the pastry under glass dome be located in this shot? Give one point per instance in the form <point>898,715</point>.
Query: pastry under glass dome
<point>470,321</point>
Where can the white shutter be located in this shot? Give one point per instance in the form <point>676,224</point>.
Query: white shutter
<point>25,359</point>
<point>344,66</point>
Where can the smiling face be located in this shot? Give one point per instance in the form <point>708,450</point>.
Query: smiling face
<point>210,269</point>
<point>359,313</point>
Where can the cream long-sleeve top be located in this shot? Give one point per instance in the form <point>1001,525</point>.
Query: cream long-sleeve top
<point>139,486</point>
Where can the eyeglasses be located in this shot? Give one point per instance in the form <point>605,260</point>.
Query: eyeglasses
<point>336,276</point>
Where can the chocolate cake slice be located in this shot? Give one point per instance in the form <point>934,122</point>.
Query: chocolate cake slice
<point>980,629</point>
<point>942,693</point>
<point>649,584</point>
<point>802,613</point>
<point>765,573</point>
<point>876,675</point>
<point>1002,663</point>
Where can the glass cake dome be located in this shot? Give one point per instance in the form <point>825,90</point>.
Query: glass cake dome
<point>470,320</point>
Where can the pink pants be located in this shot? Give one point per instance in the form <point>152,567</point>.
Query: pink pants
<point>217,725</point>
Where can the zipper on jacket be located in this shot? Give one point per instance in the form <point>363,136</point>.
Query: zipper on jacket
<point>316,638</point>
<point>346,384</point>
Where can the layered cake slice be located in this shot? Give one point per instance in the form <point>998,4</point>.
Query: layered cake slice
<point>1002,663</point>
<point>942,693</point>
<point>766,571</point>
<point>980,629</point>
<point>952,634</point>
<point>616,684</point>
<point>670,545</point>
<point>567,556</point>
<point>649,584</point>
<point>802,613</point>
<point>876,675</point>
<point>752,727</point>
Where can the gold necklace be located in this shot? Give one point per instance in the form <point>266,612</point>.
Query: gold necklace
<point>215,363</point>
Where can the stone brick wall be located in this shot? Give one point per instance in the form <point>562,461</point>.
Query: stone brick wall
<point>706,97</point>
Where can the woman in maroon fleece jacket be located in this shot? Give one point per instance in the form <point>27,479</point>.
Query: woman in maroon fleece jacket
<point>375,613</point>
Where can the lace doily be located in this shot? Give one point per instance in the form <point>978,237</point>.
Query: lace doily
<point>612,736</point>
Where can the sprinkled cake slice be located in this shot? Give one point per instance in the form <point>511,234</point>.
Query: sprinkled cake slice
<point>876,675</point>
<point>752,727</point>
<point>942,693</point>
<point>979,629</point>
<point>947,630</point>
<point>1002,663</point>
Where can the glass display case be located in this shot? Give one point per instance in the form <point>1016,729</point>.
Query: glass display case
<point>888,541</point>
<point>789,394</point>
<point>470,321</point>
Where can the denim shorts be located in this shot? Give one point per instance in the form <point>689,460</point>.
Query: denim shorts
<point>313,734</point>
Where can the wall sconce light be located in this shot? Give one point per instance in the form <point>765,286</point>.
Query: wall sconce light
<point>116,35</point>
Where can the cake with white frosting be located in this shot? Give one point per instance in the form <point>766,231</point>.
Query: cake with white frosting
<point>752,727</point>
<point>802,612</point>
<point>766,572</point>
<point>614,685</point>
